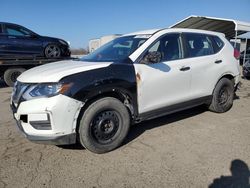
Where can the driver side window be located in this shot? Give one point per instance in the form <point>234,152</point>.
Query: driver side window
<point>16,31</point>
<point>167,48</point>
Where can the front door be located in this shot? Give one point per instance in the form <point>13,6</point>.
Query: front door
<point>21,41</point>
<point>166,82</point>
<point>3,42</point>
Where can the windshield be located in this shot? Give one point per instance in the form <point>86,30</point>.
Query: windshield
<point>118,49</point>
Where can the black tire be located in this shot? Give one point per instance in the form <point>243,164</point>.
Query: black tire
<point>104,125</point>
<point>52,51</point>
<point>223,96</point>
<point>10,75</point>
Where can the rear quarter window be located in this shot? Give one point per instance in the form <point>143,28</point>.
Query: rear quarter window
<point>217,43</point>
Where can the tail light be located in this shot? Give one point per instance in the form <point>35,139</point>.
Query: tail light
<point>236,54</point>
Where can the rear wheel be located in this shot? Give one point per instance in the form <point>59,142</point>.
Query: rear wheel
<point>10,75</point>
<point>104,125</point>
<point>52,51</point>
<point>222,96</point>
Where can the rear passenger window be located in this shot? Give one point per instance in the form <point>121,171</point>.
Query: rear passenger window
<point>1,30</point>
<point>218,43</point>
<point>198,45</point>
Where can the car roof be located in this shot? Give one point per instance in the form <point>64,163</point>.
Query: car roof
<point>144,32</point>
<point>8,23</point>
<point>1,23</point>
<point>153,31</point>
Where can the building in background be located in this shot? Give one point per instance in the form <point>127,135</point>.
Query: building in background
<point>96,43</point>
<point>235,31</point>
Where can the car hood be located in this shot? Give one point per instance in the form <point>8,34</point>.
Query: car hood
<point>50,38</point>
<point>53,39</point>
<point>53,72</point>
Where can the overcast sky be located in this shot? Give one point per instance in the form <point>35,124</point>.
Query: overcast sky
<point>78,21</point>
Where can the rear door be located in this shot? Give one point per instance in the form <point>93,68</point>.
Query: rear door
<point>204,61</point>
<point>22,41</point>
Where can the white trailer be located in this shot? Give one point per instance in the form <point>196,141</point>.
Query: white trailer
<point>96,43</point>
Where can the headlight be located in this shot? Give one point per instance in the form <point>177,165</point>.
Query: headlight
<point>45,90</point>
<point>63,42</point>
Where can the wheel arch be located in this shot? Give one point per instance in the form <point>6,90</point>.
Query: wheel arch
<point>229,76</point>
<point>129,102</point>
<point>214,105</point>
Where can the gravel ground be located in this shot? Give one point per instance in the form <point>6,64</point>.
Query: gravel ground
<point>193,148</point>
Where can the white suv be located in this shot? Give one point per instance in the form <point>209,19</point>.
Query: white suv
<point>135,77</point>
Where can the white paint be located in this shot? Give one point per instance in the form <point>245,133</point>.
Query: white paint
<point>163,84</point>
<point>61,109</point>
<point>53,72</point>
<point>206,73</point>
<point>37,117</point>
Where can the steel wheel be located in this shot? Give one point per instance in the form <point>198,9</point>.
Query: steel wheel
<point>223,96</point>
<point>52,51</point>
<point>104,126</point>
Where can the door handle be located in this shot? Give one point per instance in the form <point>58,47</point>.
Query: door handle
<point>11,37</point>
<point>218,61</point>
<point>184,68</point>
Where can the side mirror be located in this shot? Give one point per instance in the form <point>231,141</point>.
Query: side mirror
<point>33,36</point>
<point>151,57</point>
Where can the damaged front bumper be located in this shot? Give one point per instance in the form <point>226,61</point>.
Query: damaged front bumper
<point>48,120</point>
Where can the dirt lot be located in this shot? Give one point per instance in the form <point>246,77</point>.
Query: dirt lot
<point>186,149</point>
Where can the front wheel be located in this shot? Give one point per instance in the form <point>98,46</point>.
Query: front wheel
<point>104,125</point>
<point>223,96</point>
<point>52,51</point>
